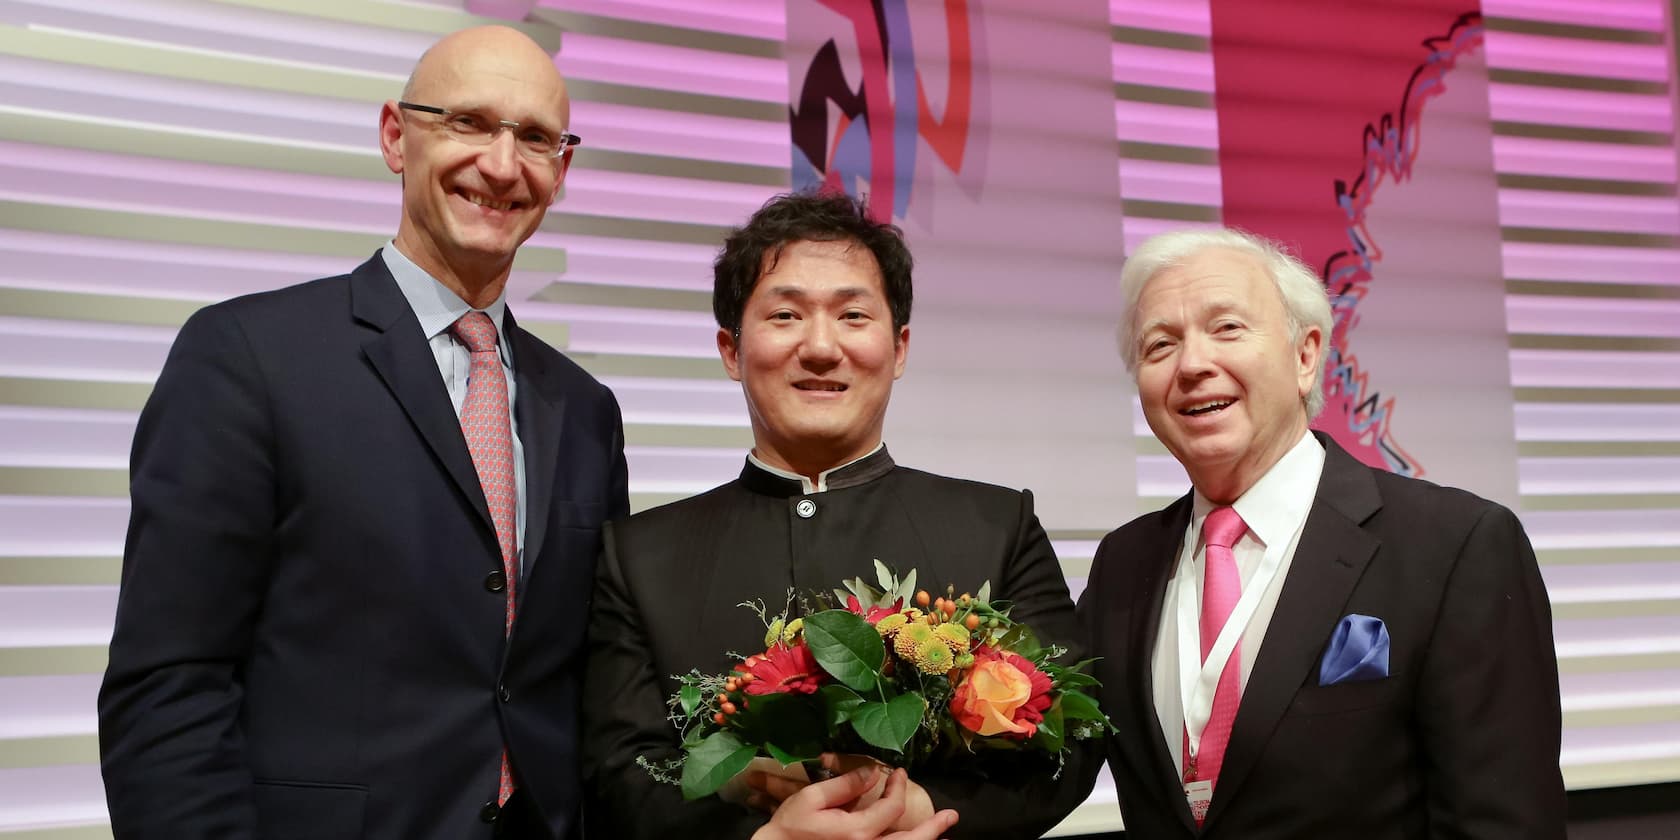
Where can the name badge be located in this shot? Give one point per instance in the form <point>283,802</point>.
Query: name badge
<point>1200,794</point>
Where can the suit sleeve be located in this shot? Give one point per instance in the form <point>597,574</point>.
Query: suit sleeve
<point>618,484</point>
<point>625,719</point>
<point>1488,703</point>
<point>194,570</point>
<point>1019,798</point>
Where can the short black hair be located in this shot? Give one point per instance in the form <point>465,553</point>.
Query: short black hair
<point>806,216</point>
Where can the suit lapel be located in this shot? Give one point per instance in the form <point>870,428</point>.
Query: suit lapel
<point>400,355</point>
<point>1328,562</point>
<point>539,409</point>
<point>1161,555</point>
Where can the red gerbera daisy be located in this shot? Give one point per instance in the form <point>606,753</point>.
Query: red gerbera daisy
<point>873,614</point>
<point>783,670</point>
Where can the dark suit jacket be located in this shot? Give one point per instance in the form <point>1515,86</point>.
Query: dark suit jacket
<point>666,602</point>
<point>306,643</point>
<point>1460,740</point>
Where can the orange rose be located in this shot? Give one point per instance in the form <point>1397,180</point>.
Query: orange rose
<point>1002,694</point>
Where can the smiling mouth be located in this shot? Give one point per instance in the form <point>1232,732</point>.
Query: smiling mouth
<point>1206,408</point>
<point>832,387</point>
<point>481,201</point>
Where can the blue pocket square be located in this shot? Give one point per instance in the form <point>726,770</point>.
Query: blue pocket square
<point>1358,651</point>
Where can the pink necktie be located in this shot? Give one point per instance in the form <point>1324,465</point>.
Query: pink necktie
<point>1221,587</point>
<point>485,423</point>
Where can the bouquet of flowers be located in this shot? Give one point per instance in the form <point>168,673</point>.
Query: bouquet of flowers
<point>892,673</point>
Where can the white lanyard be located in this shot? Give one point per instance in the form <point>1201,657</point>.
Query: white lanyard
<point>1198,680</point>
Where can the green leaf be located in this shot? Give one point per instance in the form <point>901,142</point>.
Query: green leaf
<point>1050,729</point>
<point>884,576</point>
<point>794,723</point>
<point>838,704</point>
<point>1077,706</point>
<point>1019,640</point>
<point>906,590</point>
<point>786,758</point>
<point>846,647</point>
<point>985,593</point>
<point>1075,679</point>
<point>715,761</point>
<point>889,725</point>
<point>689,696</point>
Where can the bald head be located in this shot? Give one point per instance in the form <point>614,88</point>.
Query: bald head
<point>478,58</point>
<point>472,193</point>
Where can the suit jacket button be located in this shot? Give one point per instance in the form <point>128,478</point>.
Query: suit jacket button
<point>495,581</point>
<point>503,693</point>
<point>806,508</point>
<point>490,812</point>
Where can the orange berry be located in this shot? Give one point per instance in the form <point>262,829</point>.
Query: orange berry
<point>972,622</point>
<point>747,678</point>
<point>950,607</point>
<point>719,719</point>
<point>732,684</point>
<point>922,598</point>
<point>965,598</point>
<point>728,708</point>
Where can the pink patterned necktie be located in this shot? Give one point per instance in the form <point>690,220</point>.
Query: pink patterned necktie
<point>485,423</point>
<point>1221,587</point>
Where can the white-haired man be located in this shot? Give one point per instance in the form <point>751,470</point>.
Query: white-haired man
<point>1304,646</point>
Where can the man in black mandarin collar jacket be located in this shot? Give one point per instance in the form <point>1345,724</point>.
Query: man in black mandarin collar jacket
<point>812,300</point>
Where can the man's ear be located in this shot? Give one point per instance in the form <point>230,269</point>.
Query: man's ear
<point>729,351</point>
<point>901,351</point>
<point>562,166</point>
<point>390,136</point>
<point>1309,356</point>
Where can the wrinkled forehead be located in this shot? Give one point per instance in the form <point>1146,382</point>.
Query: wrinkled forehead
<point>1226,276</point>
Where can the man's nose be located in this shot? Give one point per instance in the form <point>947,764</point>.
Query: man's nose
<point>1195,357</point>
<point>820,345</point>
<point>500,160</point>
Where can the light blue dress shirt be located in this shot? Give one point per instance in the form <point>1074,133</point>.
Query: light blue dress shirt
<point>438,308</point>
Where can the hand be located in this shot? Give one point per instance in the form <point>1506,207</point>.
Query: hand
<point>770,790</point>
<point>821,811</point>
<point>918,806</point>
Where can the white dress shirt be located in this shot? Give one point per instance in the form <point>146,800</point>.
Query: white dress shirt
<point>1275,510</point>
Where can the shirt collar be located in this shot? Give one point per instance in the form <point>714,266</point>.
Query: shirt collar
<point>772,481</point>
<point>1277,504</point>
<point>433,303</point>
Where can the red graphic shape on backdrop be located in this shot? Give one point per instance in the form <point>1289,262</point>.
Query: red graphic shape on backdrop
<point>1284,129</point>
<point>871,150</point>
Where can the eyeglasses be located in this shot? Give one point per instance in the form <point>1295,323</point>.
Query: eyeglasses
<point>534,142</point>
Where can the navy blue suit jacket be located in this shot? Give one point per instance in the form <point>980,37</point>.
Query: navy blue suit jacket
<point>306,642</point>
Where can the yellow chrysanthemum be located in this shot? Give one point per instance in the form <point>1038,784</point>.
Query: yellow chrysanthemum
<point>953,634</point>
<point>934,657</point>
<point>889,625</point>
<point>911,637</point>
<point>965,660</point>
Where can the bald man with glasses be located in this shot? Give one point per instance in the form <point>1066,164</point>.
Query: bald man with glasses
<point>366,512</point>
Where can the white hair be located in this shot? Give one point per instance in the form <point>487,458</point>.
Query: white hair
<point>1304,300</point>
